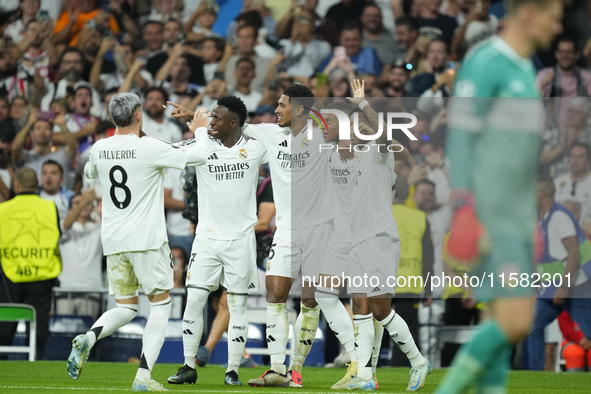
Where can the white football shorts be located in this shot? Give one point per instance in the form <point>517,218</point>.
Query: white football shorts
<point>298,250</point>
<point>230,263</point>
<point>373,266</point>
<point>150,269</point>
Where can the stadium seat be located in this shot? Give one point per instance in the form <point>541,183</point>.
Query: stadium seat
<point>20,312</point>
<point>454,334</point>
<point>62,329</point>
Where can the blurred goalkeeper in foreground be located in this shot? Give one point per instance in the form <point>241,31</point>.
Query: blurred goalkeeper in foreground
<point>494,146</point>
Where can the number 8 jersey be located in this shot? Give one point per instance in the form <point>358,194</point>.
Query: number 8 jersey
<point>130,170</point>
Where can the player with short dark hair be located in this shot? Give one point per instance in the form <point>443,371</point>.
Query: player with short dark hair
<point>224,248</point>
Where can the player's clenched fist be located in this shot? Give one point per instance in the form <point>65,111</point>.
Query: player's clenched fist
<point>200,119</point>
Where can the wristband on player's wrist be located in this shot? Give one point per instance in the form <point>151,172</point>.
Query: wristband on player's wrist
<point>363,104</point>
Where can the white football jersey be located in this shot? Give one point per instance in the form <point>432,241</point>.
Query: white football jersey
<point>226,189</point>
<point>130,170</point>
<point>299,172</point>
<point>341,172</point>
<point>372,196</point>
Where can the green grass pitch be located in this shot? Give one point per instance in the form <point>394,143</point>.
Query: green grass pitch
<point>51,377</point>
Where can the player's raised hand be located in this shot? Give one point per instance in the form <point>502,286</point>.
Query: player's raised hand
<point>200,119</point>
<point>180,112</point>
<point>358,88</point>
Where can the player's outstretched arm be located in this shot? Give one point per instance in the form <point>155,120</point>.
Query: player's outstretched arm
<point>180,112</point>
<point>358,87</point>
<point>198,126</point>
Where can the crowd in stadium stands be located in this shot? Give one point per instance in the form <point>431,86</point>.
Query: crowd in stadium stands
<point>61,61</point>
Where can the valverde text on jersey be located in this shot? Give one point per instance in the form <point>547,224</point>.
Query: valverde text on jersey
<point>345,128</point>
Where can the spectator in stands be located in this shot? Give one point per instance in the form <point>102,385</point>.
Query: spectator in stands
<point>42,146</point>
<point>39,49</point>
<point>69,78</point>
<point>477,27</point>
<point>103,130</point>
<point>199,25</point>
<point>18,112</point>
<point>155,123</point>
<point>340,14</point>
<point>81,250</point>
<point>212,51</point>
<point>7,133</point>
<point>17,81</point>
<point>163,11</point>
<point>79,14</point>
<point>103,81</point>
<point>80,122</point>
<point>563,239</point>
<point>52,178</point>
<point>27,279</point>
<point>152,37</point>
<point>433,24</point>
<point>263,114</point>
<point>565,79</point>
<point>416,260</point>
<point>17,29</point>
<point>4,108</point>
<point>576,348</point>
<point>303,52</point>
<point>556,141</point>
<point>376,36</point>
<point>89,43</point>
<point>576,184</point>
<point>244,75</point>
<point>209,96</point>
<point>364,59</point>
<point>437,171</point>
<point>435,65</point>
<point>398,77</point>
<point>407,32</point>
<point>175,75</point>
<point>247,39</point>
<point>172,34</point>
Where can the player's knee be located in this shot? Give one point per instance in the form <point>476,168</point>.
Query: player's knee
<point>309,302</point>
<point>518,329</point>
<point>158,295</point>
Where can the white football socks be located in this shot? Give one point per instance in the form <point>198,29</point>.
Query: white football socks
<point>377,345</point>
<point>277,333</point>
<point>365,333</point>
<point>153,337</point>
<point>305,332</point>
<point>400,333</point>
<point>110,321</point>
<point>193,322</point>
<point>337,318</point>
<point>237,329</point>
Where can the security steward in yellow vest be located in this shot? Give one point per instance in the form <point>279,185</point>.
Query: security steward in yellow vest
<point>416,260</point>
<point>29,254</point>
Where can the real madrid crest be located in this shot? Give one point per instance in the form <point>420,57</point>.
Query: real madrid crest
<point>242,154</point>
<point>305,142</point>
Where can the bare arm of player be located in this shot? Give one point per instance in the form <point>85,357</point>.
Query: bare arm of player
<point>180,112</point>
<point>198,153</point>
<point>265,215</point>
<point>358,99</point>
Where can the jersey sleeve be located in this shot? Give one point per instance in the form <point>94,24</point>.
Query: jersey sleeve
<point>192,152</point>
<point>467,116</point>
<point>257,132</point>
<point>90,169</point>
